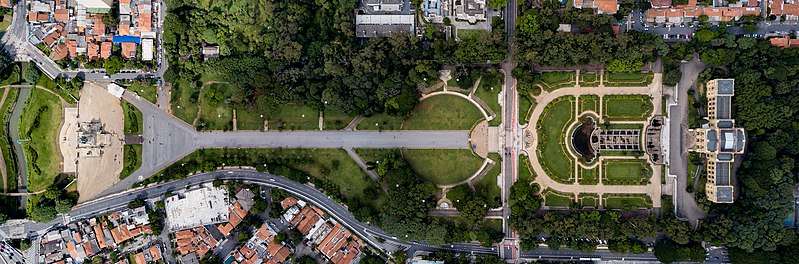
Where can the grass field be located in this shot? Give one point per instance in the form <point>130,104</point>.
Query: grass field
<point>69,96</point>
<point>556,79</point>
<point>10,75</point>
<point>589,176</point>
<point>131,160</point>
<point>5,143</point>
<point>133,118</point>
<point>184,100</point>
<point>490,95</point>
<point>526,173</point>
<point>294,117</point>
<point>626,107</point>
<point>626,172</point>
<point>443,166</point>
<point>588,200</point>
<point>334,120</point>
<point>627,201</point>
<point>489,182</point>
<point>628,79</point>
<point>589,103</point>
<point>589,79</point>
<point>443,112</point>
<point>249,120</point>
<point>526,106</point>
<point>558,199</point>
<point>216,111</point>
<point>40,123</point>
<point>381,122</point>
<point>551,148</point>
<point>147,91</point>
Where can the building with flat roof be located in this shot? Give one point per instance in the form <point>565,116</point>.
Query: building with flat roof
<point>203,206</point>
<point>719,140</point>
<point>367,26</point>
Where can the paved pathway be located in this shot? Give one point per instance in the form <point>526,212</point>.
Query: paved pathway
<point>372,174</point>
<point>653,189</point>
<point>168,139</point>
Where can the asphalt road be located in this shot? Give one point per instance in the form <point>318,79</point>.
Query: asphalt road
<point>510,125</point>
<point>678,117</point>
<point>368,233</point>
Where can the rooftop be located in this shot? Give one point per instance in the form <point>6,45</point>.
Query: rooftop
<point>197,207</point>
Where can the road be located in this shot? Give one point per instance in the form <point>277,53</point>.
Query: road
<point>368,233</point>
<point>510,131</point>
<point>765,28</point>
<point>678,117</point>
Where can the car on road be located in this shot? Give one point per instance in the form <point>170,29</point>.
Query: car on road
<point>106,76</point>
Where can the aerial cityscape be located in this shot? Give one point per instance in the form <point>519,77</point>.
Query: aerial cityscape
<point>399,131</point>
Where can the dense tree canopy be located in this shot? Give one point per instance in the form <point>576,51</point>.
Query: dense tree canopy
<point>305,52</point>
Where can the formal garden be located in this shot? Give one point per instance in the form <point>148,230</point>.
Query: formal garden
<point>626,107</point>
<point>443,112</point>
<point>626,172</point>
<point>552,129</point>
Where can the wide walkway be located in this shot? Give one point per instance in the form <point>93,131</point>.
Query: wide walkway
<point>168,139</point>
<point>653,189</point>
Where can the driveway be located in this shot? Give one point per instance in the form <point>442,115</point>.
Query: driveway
<point>678,117</point>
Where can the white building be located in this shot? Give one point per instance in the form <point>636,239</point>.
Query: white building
<point>147,49</point>
<point>204,206</point>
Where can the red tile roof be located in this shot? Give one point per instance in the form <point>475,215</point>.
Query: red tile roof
<point>88,248</point>
<point>71,249</point>
<point>145,22</point>
<point>5,3</point>
<point>124,29</point>
<point>73,46</point>
<point>99,27</point>
<point>140,258</point>
<point>239,210</point>
<point>49,40</point>
<point>61,15</point>
<point>128,50</point>
<point>288,202</point>
<point>607,6</point>
<point>154,253</point>
<point>105,50</point>
<point>98,233</point>
<point>93,51</point>
<point>59,53</point>
<point>660,3</point>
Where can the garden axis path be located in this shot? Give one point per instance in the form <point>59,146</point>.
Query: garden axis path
<point>168,139</point>
<point>653,189</point>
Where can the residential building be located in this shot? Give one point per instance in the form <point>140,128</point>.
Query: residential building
<point>719,140</point>
<point>434,10</point>
<point>787,8</point>
<point>210,52</point>
<point>331,238</point>
<point>784,42</point>
<point>599,6</point>
<point>147,49</point>
<point>471,10</point>
<point>375,6</point>
<point>96,6</point>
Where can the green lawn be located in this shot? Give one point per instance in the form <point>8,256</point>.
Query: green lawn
<point>133,118</point>
<point>628,79</point>
<point>381,122</point>
<point>558,199</point>
<point>216,111</point>
<point>333,120</point>
<point>249,120</point>
<point>526,106</point>
<point>627,201</point>
<point>490,95</point>
<point>41,121</point>
<point>5,144</point>
<point>294,117</point>
<point>626,172</point>
<point>589,79</point>
<point>526,173</point>
<point>132,160</point>
<point>589,103</point>
<point>443,166</point>
<point>589,176</point>
<point>626,107</point>
<point>69,96</point>
<point>184,100</point>
<point>443,112</point>
<point>489,182</point>
<point>552,135</point>
<point>147,91</point>
<point>588,200</point>
<point>555,79</point>
<point>10,75</point>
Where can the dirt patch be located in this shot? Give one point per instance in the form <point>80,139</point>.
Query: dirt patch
<point>98,173</point>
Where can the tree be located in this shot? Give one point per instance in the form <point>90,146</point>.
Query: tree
<point>706,35</point>
<point>113,64</point>
<point>63,206</point>
<point>3,218</point>
<point>97,260</point>
<point>31,74</point>
<point>399,257</point>
<point>497,4</point>
<point>218,182</point>
<point>676,230</point>
<point>703,18</point>
<point>42,213</point>
<point>668,252</point>
<point>751,28</point>
<point>138,202</point>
